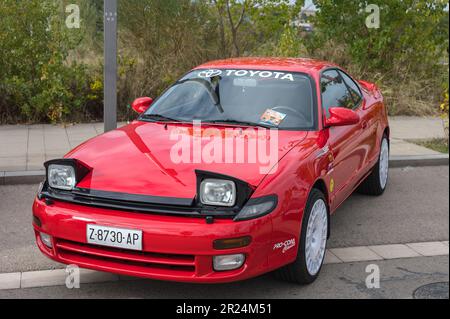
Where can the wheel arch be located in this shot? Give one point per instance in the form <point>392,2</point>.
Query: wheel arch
<point>321,186</point>
<point>387,132</point>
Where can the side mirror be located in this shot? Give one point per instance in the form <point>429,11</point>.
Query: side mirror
<point>369,86</point>
<point>141,104</point>
<point>340,116</point>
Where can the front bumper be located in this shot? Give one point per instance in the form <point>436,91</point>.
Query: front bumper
<point>174,248</point>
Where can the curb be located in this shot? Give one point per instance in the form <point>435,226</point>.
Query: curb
<point>22,177</point>
<point>35,177</point>
<point>420,160</point>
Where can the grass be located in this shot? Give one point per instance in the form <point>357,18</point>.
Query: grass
<point>436,144</point>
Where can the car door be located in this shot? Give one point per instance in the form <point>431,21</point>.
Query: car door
<point>344,143</point>
<point>368,137</point>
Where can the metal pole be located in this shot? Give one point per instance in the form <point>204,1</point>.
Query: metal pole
<point>110,68</point>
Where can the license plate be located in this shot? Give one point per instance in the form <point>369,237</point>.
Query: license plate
<point>114,237</point>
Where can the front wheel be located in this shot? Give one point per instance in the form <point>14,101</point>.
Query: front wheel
<point>312,245</point>
<point>375,184</point>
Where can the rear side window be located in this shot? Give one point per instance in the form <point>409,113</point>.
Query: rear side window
<point>335,92</point>
<point>352,87</point>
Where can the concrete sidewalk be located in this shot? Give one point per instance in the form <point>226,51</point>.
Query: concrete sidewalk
<point>27,147</point>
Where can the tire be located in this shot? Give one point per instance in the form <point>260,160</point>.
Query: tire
<point>299,272</point>
<point>375,184</point>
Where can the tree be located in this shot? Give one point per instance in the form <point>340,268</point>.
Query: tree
<point>251,24</point>
<point>405,56</point>
<point>411,32</point>
<point>231,15</point>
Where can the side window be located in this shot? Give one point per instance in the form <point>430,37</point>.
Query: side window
<point>335,92</point>
<point>353,87</point>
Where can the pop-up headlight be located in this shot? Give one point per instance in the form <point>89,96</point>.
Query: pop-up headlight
<point>61,177</point>
<point>64,174</point>
<point>218,192</point>
<point>222,191</point>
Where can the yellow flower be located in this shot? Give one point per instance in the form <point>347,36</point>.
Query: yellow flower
<point>97,85</point>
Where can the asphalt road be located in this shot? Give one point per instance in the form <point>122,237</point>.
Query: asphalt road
<point>399,279</point>
<point>413,209</point>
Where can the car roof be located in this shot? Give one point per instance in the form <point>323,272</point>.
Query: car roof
<point>276,64</point>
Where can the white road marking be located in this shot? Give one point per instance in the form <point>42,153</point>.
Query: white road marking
<point>430,249</point>
<point>331,258</point>
<point>10,281</point>
<point>57,277</point>
<point>355,254</point>
<point>47,278</point>
<point>43,278</point>
<point>394,251</point>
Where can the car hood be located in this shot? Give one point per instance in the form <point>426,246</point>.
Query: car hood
<point>160,159</point>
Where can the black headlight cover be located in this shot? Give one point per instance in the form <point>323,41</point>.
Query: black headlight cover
<point>243,190</point>
<point>81,169</point>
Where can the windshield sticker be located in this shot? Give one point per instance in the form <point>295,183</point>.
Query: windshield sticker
<point>272,117</point>
<point>246,82</point>
<point>248,73</point>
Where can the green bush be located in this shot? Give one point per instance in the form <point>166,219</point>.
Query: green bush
<point>37,84</point>
<point>49,73</point>
<point>406,56</point>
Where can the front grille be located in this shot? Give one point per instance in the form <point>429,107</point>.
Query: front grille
<point>118,204</point>
<point>125,260</point>
<point>135,203</point>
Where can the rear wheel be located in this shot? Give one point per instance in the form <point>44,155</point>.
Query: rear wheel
<point>312,245</point>
<point>375,184</point>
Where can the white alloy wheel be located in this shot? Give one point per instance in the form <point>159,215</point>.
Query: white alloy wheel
<point>316,237</point>
<point>384,163</point>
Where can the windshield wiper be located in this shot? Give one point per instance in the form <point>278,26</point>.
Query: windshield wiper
<point>215,97</point>
<point>159,117</point>
<point>237,122</point>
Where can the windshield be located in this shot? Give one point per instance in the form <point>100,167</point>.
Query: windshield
<point>252,97</point>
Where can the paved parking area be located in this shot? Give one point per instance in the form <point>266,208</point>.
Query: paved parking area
<point>414,211</point>
<point>399,278</point>
<point>58,277</point>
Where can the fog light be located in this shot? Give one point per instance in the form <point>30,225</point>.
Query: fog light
<point>228,262</point>
<point>46,239</point>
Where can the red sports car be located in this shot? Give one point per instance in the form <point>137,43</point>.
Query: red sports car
<point>232,172</point>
